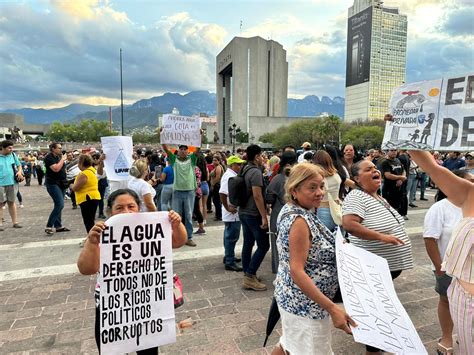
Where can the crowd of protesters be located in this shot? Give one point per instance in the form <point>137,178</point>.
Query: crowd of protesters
<point>295,200</point>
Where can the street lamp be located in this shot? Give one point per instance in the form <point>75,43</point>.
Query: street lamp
<point>233,131</point>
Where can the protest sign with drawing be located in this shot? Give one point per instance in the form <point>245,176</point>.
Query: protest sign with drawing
<point>370,299</point>
<point>432,115</point>
<point>181,130</point>
<point>118,152</point>
<point>136,283</point>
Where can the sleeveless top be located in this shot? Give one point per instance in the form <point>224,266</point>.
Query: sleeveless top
<point>90,188</point>
<point>459,258</point>
<point>320,265</point>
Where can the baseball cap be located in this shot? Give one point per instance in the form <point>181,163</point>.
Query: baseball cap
<point>183,146</point>
<point>471,154</point>
<point>306,145</point>
<point>234,159</point>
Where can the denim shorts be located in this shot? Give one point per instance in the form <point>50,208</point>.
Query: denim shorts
<point>442,284</point>
<point>205,188</point>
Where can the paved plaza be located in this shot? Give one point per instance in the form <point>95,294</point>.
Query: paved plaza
<point>46,306</point>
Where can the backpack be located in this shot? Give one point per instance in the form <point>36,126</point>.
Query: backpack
<point>238,191</point>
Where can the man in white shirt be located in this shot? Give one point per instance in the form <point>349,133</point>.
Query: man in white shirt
<point>306,148</point>
<point>230,215</point>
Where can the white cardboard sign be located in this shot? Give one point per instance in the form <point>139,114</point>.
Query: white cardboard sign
<point>181,130</point>
<point>136,283</point>
<point>370,299</point>
<point>118,152</point>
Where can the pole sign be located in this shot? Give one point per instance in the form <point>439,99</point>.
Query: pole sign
<point>432,115</point>
<point>181,130</point>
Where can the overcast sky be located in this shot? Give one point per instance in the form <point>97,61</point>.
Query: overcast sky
<point>58,52</point>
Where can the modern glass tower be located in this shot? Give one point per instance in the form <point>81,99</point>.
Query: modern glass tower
<point>376,58</point>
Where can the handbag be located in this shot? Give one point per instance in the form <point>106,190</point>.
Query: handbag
<point>177,291</point>
<point>15,174</point>
<point>336,210</point>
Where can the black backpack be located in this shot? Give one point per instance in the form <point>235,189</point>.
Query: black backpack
<point>238,191</point>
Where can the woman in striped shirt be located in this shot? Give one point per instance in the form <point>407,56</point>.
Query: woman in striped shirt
<point>373,224</point>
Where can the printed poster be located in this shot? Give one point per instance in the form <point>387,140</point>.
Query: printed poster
<point>179,130</point>
<point>136,283</point>
<point>118,152</point>
<point>432,115</point>
<point>370,299</point>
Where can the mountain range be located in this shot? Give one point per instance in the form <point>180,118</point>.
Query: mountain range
<point>145,112</point>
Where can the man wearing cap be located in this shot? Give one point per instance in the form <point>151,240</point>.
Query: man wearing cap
<point>469,159</point>
<point>230,215</point>
<point>184,186</point>
<point>306,148</point>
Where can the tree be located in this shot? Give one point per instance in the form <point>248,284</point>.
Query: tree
<point>364,137</point>
<point>267,138</point>
<point>85,130</point>
<point>317,131</point>
<point>242,137</point>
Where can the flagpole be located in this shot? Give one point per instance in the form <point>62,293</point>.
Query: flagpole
<point>121,89</point>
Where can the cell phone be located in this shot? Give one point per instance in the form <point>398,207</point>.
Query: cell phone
<point>158,170</point>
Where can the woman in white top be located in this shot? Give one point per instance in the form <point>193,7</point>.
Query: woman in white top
<point>440,221</point>
<point>329,211</point>
<point>144,189</point>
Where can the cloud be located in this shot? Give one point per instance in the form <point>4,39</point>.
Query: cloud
<point>72,51</point>
<point>459,21</point>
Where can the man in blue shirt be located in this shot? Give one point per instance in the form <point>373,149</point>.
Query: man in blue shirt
<point>9,167</point>
<point>454,162</point>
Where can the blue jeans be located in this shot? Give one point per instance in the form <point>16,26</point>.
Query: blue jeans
<point>231,236</point>
<point>411,187</point>
<point>183,203</point>
<point>166,197</point>
<point>253,233</point>
<point>324,215</point>
<point>57,194</point>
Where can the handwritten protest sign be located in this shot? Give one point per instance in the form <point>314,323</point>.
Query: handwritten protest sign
<point>370,299</point>
<point>136,283</point>
<point>181,130</point>
<point>432,115</point>
<point>118,156</point>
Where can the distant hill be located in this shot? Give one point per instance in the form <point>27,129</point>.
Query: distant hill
<point>61,114</point>
<point>312,106</point>
<point>145,112</point>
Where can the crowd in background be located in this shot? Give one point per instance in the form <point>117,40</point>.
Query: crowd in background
<point>367,194</point>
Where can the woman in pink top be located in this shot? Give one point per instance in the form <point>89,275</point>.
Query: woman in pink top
<point>459,258</point>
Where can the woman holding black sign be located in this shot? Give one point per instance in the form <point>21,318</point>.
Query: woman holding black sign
<point>120,201</point>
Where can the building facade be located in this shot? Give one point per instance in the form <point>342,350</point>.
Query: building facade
<point>251,85</point>
<point>376,58</point>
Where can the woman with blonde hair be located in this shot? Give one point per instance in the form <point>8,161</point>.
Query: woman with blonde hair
<point>307,275</point>
<point>329,211</point>
<point>144,189</point>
